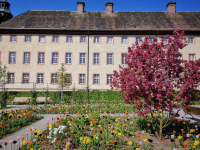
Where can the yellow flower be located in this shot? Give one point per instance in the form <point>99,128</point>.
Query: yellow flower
<point>64,118</point>
<point>191,130</point>
<point>193,147</point>
<point>145,140</point>
<point>31,148</point>
<point>67,146</point>
<point>81,138</point>
<point>130,143</point>
<point>36,136</point>
<point>180,137</point>
<point>39,131</point>
<point>69,121</point>
<point>50,125</point>
<point>119,134</point>
<point>148,124</point>
<point>196,143</point>
<point>88,141</point>
<point>23,143</point>
<point>91,124</point>
<point>137,149</point>
<point>183,122</point>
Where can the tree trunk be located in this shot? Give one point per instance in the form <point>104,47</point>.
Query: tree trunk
<point>161,126</point>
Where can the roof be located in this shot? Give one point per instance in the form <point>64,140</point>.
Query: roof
<point>96,20</point>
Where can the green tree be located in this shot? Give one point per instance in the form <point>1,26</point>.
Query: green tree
<point>3,80</point>
<point>63,79</point>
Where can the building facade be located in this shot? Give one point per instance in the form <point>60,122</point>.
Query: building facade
<point>90,44</point>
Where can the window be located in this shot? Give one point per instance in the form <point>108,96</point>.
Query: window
<point>11,78</point>
<point>110,40</point>
<point>124,40</point>
<point>96,58</point>
<point>40,58</point>
<point>26,58</point>
<point>83,39</point>
<point>55,39</point>
<point>42,39</point>
<point>27,38</point>
<point>54,58</point>
<point>191,40</point>
<point>82,79</point>
<point>151,39</point>
<point>12,56</point>
<point>0,39</point>
<point>13,38</point>
<point>53,78</point>
<point>109,59</point>
<point>25,78</point>
<point>82,58</point>
<point>68,78</point>
<point>192,57</point>
<point>40,78</point>
<point>95,79</point>
<point>124,58</point>
<point>138,40</point>
<point>69,39</point>
<point>68,58</point>
<point>96,40</point>
<point>109,79</point>
<point>165,40</point>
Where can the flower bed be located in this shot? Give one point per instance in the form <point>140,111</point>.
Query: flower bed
<point>10,121</point>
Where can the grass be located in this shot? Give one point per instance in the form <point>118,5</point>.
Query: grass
<point>4,108</point>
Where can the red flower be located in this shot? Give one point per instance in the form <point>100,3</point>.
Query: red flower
<point>6,143</point>
<point>8,120</point>
<point>116,138</point>
<point>139,135</point>
<point>45,137</point>
<point>95,130</point>
<point>112,142</point>
<point>6,125</point>
<point>42,142</point>
<point>47,127</point>
<point>58,140</point>
<point>174,131</point>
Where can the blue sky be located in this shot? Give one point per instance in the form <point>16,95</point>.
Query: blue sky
<point>20,6</point>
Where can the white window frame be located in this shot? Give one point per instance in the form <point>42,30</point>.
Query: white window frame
<point>69,39</point>
<point>55,39</point>
<point>40,58</point>
<point>11,78</point>
<point>82,39</point>
<point>81,78</point>
<point>27,38</point>
<point>25,78</point>
<point>54,58</point>
<point>96,79</point>
<point>12,57</point>
<point>108,59</point>
<point>96,40</point>
<point>40,79</point>
<point>165,40</point>
<point>68,78</point>
<point>191,57</point>
<point>124,40</point>
<point>41,39</point>
<point>124,59</point>
<point>68,58</point>
<point>53,78</point>
<point>13,38</point>
<point>110,40</point>
<point>191,40</point>
<point>26,57</point>
<point>82,58</point>
<point>138,39</point>
<point>109,79</point>
<point>96,58</point>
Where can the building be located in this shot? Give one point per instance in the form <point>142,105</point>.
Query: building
<point>91,44</point>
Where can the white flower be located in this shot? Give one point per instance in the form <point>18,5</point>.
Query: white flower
<point>173,124</point>
<point>11,141</point>
<point>140,143</point>
<point>133,137</point>
<point>172,136</point>
<point>188,135</point>
<point>143,131</point>
<point>97,137</point>
<point>196,126</point>
<point>131,122</point>
<point>197,136</point>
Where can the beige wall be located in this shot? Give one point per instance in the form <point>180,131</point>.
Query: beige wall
<point>117,48</point>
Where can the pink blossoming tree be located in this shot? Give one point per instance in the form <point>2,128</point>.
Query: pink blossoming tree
<point>153,71</point>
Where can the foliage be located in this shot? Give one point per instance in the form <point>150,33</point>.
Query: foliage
<point>33,97</point>
<point>153,71</point>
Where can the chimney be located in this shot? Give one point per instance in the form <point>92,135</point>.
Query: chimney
<point>171,7</point>
<point>109,7</point>
<point>80,7</point>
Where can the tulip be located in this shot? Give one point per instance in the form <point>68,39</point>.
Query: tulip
<point>145,140</point>
<point>130,143</point>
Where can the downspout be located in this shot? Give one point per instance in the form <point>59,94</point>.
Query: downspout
<point>88,69</point>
